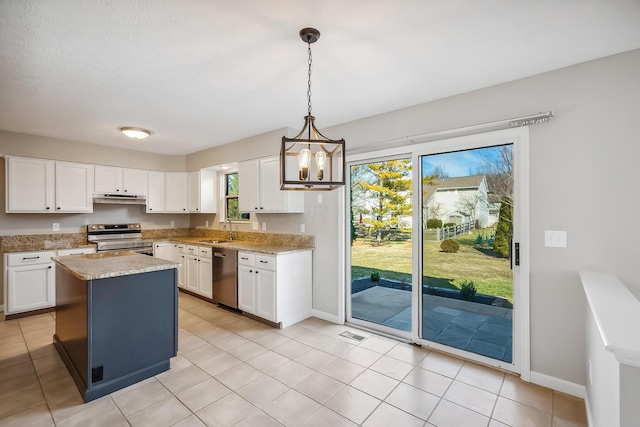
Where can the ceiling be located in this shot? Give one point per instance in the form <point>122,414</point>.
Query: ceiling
<point>201,73</point>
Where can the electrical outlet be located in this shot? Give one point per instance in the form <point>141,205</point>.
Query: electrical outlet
<point>302,228</point>
<point>55,226</point>
<point>206,224</point>
<point>172,223</point>
<point>264,226</point>
<point>254,225</point>
<point>555,239</point>
<point>319,199</point>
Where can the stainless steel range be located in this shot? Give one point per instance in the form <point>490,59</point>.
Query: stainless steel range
<point>119,237</point>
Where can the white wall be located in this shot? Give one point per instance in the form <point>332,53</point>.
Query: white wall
<point>581,161</point>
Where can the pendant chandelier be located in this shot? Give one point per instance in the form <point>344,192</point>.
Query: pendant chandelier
<point>311,161</point>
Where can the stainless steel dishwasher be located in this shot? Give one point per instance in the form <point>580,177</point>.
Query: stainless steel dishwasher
<point>225,277</point>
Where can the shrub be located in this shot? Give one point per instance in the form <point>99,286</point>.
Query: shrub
<point>467,290</point>
<point>434,223</point>
<point>449,246</point>
<point>375,276</point>
<point>448,224</point>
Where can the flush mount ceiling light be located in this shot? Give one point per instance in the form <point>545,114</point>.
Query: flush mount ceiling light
<point>135,133</point>
<point>311,161</point>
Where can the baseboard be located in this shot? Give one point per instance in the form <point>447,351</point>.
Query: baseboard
<point>326,316</point>
<point>559,385</point>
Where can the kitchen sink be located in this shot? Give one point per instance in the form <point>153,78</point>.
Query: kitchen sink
<point>213,241</point>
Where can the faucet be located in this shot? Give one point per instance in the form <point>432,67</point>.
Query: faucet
<point>230,228</point>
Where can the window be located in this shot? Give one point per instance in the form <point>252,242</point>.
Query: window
<point>232,209</point>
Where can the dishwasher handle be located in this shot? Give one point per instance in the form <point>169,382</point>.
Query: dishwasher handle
<point>219,254</point>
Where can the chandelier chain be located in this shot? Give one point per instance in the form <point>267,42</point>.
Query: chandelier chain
<point>309,80</point>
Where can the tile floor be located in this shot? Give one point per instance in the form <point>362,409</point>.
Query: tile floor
<point>233,371</point>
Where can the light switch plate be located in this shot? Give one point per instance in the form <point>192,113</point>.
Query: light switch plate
<point>254,225</point>
<point>172,224</point>
<point>555,239</point>
<point>302,228</point>
<point>264,226</point>
<point>55,226</point>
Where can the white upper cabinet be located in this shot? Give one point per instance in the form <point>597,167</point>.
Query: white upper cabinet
<point>259,188</point>
<point>176,192</point>
<point>120,180</point>
<point>30,186</point>
<point>202,191</point>
<point>155,195</point>
<point>38,185</point>
<point>74,187</point>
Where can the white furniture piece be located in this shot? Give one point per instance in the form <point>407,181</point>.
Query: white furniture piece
<point>259,188</point>
<point>173,252</point>
<point>275,287</point>
<point>47,186</point>
<point>29,279</point>
<point>109,179</point>
<point>155,192</point>
<point>199,271</point>
<point>202,191</point>
<point>176,192</point>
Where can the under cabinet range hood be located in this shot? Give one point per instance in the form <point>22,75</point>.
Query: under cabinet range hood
<point>120,199</point>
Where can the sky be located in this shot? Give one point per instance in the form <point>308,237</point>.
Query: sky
<point>457,163</point>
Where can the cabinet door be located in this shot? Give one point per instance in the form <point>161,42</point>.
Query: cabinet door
<point>107,179</point>
<point>155,198</point>
<point>246,292</point>
<point>272,199</point>
<point>182,271</point>
<point>134,181</point>
<point>30,185</point>
<point>176,192</point>
<point>30,288</point>
<point>205,277</point>
<point>74,187</point>
<point>192,273</point>
<point>266,295</point>
<point>248,186</point>
<point>194,192</point>
<point>162,250</point>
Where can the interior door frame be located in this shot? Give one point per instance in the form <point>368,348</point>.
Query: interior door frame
<point>521,314</point>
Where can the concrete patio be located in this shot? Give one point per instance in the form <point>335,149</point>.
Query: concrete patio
<point>479,328</point>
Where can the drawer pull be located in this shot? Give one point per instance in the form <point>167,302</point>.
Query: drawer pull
<point>263,261</point>
<point>244,258</point>
<point>30,257</point>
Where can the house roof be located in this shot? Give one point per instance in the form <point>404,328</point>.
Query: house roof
<point>455,183</point>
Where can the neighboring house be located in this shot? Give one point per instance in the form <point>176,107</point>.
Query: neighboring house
<point>458,200</point>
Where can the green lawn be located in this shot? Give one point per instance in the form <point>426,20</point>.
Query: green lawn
<point>490,274</point>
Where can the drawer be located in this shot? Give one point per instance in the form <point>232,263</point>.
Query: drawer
<point>29,258</point>
<point>204,252</point>
<point>192,250</point>
<point>76,251</point>
<point>266,262</point>
<point>246,258</point>
<point>182,248</point>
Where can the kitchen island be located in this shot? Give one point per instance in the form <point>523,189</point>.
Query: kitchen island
<point>116,318</point>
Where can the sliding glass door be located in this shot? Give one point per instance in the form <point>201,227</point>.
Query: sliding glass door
<point>434,238</point>
<point>380,291</point>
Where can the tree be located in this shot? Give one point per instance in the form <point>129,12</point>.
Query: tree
<point>386,190</point>
<point>504,229</point>
<point>436,209</point>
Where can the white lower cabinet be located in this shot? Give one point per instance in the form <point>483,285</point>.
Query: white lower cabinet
<point>182,270</point>
<point>275,287</point>
<point>30,279</point>
<point>199,271</point>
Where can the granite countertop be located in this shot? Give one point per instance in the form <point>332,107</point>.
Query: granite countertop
<point>111,264</point>
<point>47,246</point>
<point>240,245</point>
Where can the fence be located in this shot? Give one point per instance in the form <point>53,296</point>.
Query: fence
<point>450,232</point>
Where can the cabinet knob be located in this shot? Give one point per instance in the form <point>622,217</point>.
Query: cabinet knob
<point>256,208</point>
<point>58,208</point>
<point>183,209</point>
<point>49,267</point>
<point>117,189</point>
<point>261,207</point>
<point>48,208</point>
<point>150,209</point>
<point>125,191</point>
<point>256,271</point>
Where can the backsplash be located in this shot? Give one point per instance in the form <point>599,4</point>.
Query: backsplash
<point>39,242</point>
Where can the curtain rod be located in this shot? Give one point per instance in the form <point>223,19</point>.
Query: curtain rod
<point>532,119</point>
